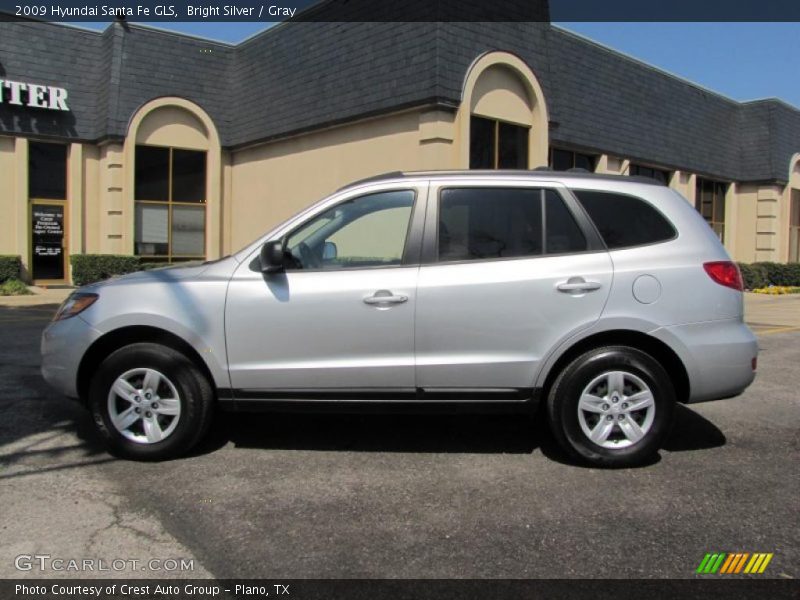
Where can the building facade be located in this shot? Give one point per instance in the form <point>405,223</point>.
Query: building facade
<point>139,141</point>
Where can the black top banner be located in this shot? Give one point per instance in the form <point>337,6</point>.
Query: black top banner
<point>401,11</point>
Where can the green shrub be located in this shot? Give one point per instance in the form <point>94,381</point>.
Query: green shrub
<point>13,287</point>
<point>763,274</point>
<point>782,274</point>
<point>10,267</point>
<point>754,276</point>
<point>88,268</point>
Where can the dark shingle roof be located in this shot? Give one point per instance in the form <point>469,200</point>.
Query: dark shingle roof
<point>297,77</point>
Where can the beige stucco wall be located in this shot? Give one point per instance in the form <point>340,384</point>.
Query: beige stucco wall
<point>786,204</point>
<point>8,197</point>
<point>745,231</point>
<point>271,182</point>
<point>769,229</point>
<point>612,165</point>
<point>92,232</point>
<point>500,94</point>
<point>755,223</point>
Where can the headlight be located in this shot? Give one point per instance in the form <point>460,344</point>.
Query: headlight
<point>75,304</point>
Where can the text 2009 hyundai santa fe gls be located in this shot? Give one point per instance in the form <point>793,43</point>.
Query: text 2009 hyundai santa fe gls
<point>607,297</point>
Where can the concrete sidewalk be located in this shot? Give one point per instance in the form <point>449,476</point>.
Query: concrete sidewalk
<point>772,314</point>
<point>40,296</point>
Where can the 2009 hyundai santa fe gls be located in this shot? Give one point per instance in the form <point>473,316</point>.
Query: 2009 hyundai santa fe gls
<point>609,298</point>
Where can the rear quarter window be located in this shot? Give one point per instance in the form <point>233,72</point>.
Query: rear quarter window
<point>625,221</point>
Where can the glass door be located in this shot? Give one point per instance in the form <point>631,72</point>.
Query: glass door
<point>48,241</point>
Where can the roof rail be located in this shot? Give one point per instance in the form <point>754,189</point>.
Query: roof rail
<point>574,173</point>
<point>381,177</point>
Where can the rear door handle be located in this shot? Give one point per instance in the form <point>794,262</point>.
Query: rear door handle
<point>385,297</point>
<point>578,284</point>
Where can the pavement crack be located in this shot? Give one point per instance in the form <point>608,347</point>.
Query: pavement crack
<point>117,522</point>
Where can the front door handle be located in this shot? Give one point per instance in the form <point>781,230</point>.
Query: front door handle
<point>385,297</point>
<point>578,285</point>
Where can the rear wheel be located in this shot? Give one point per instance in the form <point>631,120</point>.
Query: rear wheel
<point>150,402</point>
<point>612,407</point>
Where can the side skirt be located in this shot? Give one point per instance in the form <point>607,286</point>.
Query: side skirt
<point>361,400</point>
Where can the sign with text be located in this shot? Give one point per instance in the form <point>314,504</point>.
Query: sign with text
<point>33,95</point>
<point>47,237</point>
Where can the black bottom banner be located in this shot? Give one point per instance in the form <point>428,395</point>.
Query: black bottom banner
<point>401,589</point>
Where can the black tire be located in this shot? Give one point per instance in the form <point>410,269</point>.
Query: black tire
<point>195,393</point>
<point>565,393</point>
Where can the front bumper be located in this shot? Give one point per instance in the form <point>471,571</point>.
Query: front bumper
<point>718,356</point>
<point>64,344</point>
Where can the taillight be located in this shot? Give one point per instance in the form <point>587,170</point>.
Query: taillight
<point>726,273</point>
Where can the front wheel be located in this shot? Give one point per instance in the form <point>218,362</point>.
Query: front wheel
<point>150,402</point>
<point>612,407</point>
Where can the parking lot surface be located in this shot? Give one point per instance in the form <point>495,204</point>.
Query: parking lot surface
<point>428,496</point>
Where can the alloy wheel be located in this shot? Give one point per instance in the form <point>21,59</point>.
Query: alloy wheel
<point>616,409</point>
<point>144,405</point>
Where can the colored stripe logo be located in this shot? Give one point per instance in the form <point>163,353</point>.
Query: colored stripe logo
<point>734,562</point>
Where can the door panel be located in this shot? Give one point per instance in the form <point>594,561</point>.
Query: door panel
<point>341,313</point>
<point>511,269</point>
<point>315,330</point>
<point>490,324</point>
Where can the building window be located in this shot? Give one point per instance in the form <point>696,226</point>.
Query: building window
<point>657,174</point>
<point>794,228</point>
<point>563,160</point>
<point>170,192</point>
<point>710,202</point>
<point>47,171</point>
<point>47,191</point>
<point>497,145</point>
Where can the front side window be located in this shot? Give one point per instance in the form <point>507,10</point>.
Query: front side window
<point>170,192</point>
<point>497,145</point>
<point>710,202</point>
<point>625,221</point>
<point>492,223</point>
<point>369,231</point>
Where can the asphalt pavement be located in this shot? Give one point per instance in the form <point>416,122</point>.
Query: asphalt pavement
<point>439,496</point>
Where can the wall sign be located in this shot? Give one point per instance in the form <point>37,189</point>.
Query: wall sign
<point>33,95</point>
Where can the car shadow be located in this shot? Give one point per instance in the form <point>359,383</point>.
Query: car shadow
<point>693,431</point>
<point>420,433</point>
<point>690,432</point>
<point>436,433</point>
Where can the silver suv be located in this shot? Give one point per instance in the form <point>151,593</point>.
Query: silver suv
<point>608,298</point>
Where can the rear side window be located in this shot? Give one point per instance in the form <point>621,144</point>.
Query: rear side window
<point>625,221</point>
<point>491,223</point>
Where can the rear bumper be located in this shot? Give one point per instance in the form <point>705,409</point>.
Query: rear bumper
<point>718,356</point>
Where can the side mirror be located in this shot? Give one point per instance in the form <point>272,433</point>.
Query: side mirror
<point>329,251</point>
<point>271,257</point>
